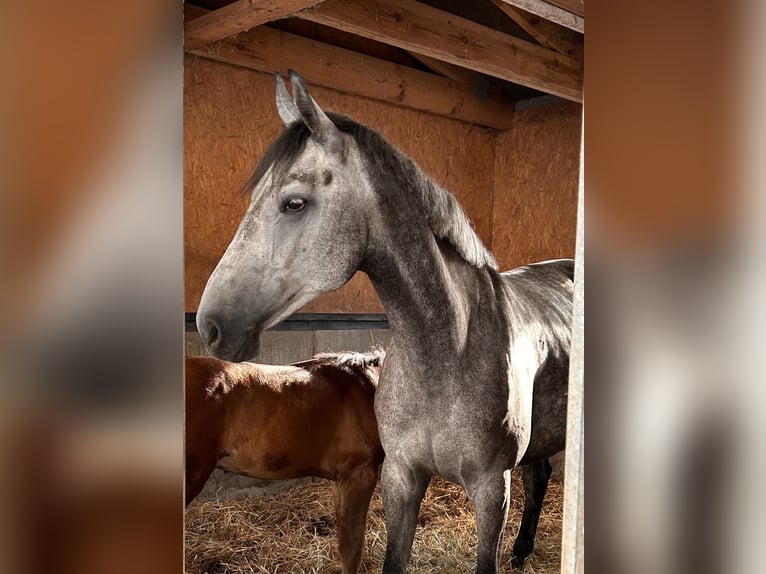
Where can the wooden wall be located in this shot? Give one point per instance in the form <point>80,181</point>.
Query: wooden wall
<point>519,187</point>
<point>536,177</point>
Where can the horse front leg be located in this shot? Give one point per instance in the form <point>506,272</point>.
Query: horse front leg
<point>403,489</point>
<point>352,499</point>
<point>536,476</point>
<point>490,497</point>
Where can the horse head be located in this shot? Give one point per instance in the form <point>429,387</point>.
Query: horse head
<point>304,232</point>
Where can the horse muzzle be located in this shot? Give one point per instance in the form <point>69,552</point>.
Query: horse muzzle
<point>227,341</point>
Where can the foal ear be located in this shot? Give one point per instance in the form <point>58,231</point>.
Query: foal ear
<point>285,105</point>
<point>322,128</point>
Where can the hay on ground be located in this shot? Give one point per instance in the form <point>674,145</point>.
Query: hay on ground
<point>294,532</point>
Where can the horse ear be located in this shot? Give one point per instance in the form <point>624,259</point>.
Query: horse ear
<point>322,128</point>
<point>285,105</point>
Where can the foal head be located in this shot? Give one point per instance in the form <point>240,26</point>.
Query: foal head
<point>304,232</point>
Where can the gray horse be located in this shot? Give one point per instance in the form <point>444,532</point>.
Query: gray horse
<point>475,378</point>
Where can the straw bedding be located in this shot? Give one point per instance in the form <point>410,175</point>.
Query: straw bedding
<point>294,532</point>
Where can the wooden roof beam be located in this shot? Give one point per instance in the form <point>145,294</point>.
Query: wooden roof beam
<point>448,70</point>
<point>437,34</point>
<point>573,6</point>
<point>269,50</point>
<point>552,12</point>
<point>238,17</point>
<point>550,35</point>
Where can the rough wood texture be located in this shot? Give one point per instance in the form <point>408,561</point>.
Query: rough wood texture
<point>536,169</point>
<point>229,119</point>
<point>549,11</point>
<point>285,347</point>
<point>550,35</point>
<point>452,72</point>
<point>342,39</point>
<point>327,35</point>
<point>420,28</point>
<point>277,347</point>
<point>267,50</point>
<point>574,6</point>
<point>236,17</point>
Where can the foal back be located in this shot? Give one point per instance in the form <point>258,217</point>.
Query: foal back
<point>313,418</point>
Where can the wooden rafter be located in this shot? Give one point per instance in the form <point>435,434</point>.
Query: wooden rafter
<point>437,34</point>
<point>573,6</point>
<point>448,70</point>
<point>550,35</point>
<point>551,12</point>
<point>269,50</point>
<point>237,17</point>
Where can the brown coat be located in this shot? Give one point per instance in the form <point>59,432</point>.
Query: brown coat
<point>313,418</point>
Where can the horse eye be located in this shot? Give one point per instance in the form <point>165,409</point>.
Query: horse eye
<point>295,204</point>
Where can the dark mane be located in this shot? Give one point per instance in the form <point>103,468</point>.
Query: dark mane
<point>445,216</point>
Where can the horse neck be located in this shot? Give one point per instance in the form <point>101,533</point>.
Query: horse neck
<point>427,289</point>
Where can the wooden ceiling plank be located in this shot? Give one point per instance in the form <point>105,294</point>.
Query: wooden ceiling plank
<point>573,6</point>
<point>437,34</point>
<point>269,50</point>
<point>448,70</point>
<point>547,33</point>
<point>237,17</point>
<point>551,12</point>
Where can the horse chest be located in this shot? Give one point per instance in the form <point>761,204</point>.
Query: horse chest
<point>447,421</point>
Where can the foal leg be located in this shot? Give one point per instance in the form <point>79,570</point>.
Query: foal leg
<point>490,497</point>
<point>199,467</point>
<point>352,499</point>
<point>403,489</point>
<point>536,475</point>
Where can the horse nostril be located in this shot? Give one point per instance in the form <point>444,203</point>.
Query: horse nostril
<point>212,334</point>
<point>209,331</point>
